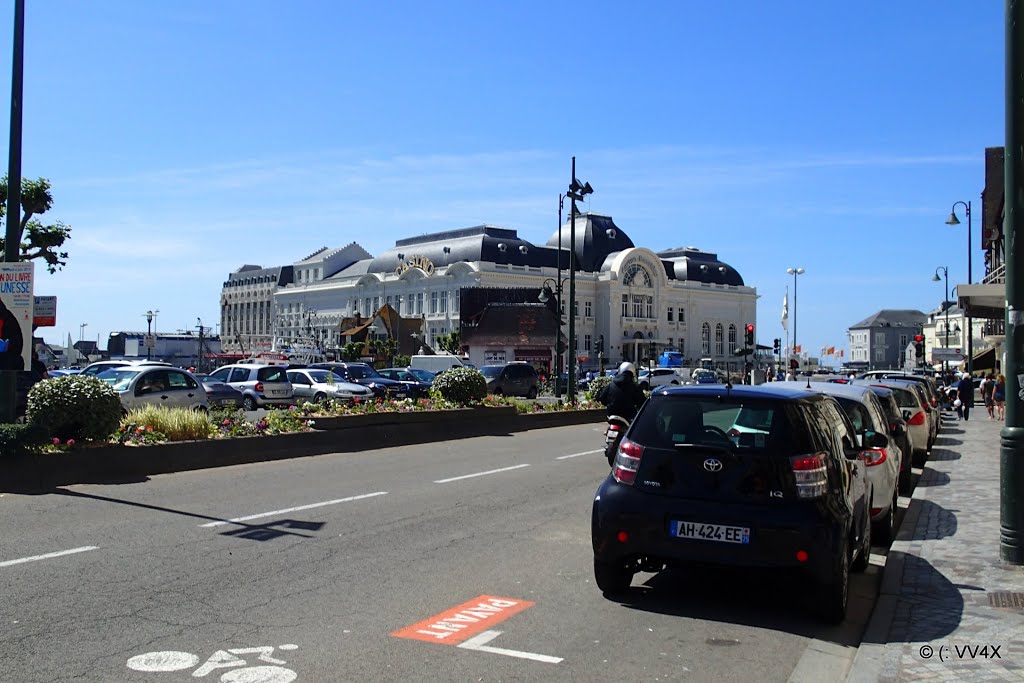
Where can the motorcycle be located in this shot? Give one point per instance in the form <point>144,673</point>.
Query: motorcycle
<point>617,426</point>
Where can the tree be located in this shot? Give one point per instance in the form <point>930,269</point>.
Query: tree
<point>449,343</point>
<point>37,240</point>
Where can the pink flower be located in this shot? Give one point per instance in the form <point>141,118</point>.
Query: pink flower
<point>56,441</point>
<point>71,442</point>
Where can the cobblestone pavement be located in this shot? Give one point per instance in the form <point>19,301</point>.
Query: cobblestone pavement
<point>943,571</point>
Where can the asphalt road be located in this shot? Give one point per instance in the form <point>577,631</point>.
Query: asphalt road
<point>340,552</point>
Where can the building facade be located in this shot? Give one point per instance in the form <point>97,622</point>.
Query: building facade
<point>640,301</point>
<point>247,305</point>
<point>879,342</point>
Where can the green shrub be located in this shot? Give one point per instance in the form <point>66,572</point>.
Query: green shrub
<point>21,439</point>
<point>460,385</point>
<point>74,407</point>
<point>595,387</point>
<point>175,424</point>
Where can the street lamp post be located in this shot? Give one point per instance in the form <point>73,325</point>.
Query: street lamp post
<point>945,305</point>
<point>149,332</point>
<point>794,272</point>
<point>544,297</point>
<point>577,191</point>
<point>953,220</point>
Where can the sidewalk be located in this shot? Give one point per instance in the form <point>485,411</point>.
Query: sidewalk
<point>944,586</point>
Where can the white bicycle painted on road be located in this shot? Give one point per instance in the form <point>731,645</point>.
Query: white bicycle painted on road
<point>174,660</point>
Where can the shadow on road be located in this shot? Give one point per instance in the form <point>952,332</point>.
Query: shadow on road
<point>933,477</point>
<point>942,455</point>
<point>252,532</point>
<point>935,603</point>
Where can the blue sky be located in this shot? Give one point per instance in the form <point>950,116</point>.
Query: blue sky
<point>186,138</point>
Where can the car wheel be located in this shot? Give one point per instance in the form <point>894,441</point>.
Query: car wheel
<point>613,578</point>
<point>676,382</point>
<point>920,458</point>
<point>864,556</point>
<point>249,403</point>
<point>532,393</point>
<point>885,528</point>
<point>202,409</point>
<point>319,398</point>
<point>498,392</point>
<point>834,594</point>
<point>904,482</point>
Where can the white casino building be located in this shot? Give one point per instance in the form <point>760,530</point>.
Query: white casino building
<point>637,299</point>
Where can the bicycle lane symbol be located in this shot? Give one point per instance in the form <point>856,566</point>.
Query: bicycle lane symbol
<point>174,660</point>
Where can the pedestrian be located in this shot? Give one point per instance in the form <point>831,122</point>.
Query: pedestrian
<point>39,371</point>
<point>999,397</point>
<point>988,385</point>
<point>965,393</point>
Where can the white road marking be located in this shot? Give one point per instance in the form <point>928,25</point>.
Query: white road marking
<point>479,643</point>
<point>576,455</point>
<point>480,474</point>
<point>47,556</point>
<point>166,660</point>
<point>294,509</point>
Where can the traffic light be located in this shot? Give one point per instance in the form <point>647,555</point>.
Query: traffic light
<point>919,345</point>
<point>600,345</point>
<point>778,347</point>
<point>750,334</point>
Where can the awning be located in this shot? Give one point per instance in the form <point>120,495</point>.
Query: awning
<point>984,360</point>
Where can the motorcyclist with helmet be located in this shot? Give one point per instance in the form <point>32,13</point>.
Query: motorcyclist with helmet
<point>622,398</point>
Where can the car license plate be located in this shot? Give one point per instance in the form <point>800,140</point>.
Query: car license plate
<point>227,402</point>
<point>711,532</point>
<point>401,395</point>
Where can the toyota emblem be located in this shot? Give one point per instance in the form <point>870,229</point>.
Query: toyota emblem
<point>713,465</point>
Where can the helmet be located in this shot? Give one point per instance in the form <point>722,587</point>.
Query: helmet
<point>627,367</point>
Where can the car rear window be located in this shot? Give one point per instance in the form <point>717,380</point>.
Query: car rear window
<point>904,398</point>
<point>272,374</point>
<point>742,426</point>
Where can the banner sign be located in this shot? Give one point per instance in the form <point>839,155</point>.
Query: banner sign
<point>16,315</point>
<point>45,311</point>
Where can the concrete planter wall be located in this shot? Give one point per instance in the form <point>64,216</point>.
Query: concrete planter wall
<point>124,464</point>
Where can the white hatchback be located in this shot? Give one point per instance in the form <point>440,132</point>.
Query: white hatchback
<point>143,385</point>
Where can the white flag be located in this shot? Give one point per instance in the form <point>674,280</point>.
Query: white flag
<point>785,311</point>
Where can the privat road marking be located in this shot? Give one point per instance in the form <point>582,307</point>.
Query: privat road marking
<point>294,509</point>
<point>576,455</point>
<point>480,643</point>
<point>47,556</point>
<point>463,621</point>
<point>480,474</point>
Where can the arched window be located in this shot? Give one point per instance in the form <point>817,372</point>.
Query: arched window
<point>705,339</point>
<point>732,339</point>
<point>719,339</point>
<point>636,275</point>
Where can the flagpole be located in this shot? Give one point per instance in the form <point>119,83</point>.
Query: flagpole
<point>788,347</point>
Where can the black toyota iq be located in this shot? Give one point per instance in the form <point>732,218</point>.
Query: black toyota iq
<point>748,476</point>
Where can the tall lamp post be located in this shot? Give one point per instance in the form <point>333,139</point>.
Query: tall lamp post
<point>945,305</point>
<point>794,272</point>
<point>577,191</point>
<point>544,297</point>
<point>953,220</point>
<point>149,332</point>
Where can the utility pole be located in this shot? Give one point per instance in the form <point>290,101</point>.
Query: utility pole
<point>1011,451</point>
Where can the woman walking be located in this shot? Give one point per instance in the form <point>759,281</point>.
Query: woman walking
<point>988,387</point>
<point>999,397</point>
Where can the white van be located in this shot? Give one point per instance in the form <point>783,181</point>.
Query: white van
<point>435,364</point>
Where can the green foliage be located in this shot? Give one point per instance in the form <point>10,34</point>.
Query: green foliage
<point>174,424</point>
<point>284,421</point>
<point>38,240</point>
<point>231,423</point>
<point>21,439</point>
<point>402,361</point>
<point>449,343</point>
<point>352,351</point>
<point>74,407</point>
<point>595,386</point>
<point>460,385</point>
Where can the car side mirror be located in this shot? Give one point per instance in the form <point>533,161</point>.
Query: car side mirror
<point>876,440</point>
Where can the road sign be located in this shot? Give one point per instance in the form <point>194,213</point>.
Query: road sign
<point>951,354</point>
<point>45,311</point>
<point>149,341</point>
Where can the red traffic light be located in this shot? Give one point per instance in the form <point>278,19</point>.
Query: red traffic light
<point>750,328</point>
<point>918,338</point>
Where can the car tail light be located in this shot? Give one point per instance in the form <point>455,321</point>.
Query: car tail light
<point>811,477</point>
<point>934,403</point>
<point>917,419</point>
<point>627,462</point>
<point>874,456</point>
<point>259,387</point>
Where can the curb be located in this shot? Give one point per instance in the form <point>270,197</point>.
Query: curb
<point>116,464</point>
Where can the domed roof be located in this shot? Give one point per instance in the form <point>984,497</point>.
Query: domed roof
<point>690,263</point>
<point>597,236</point>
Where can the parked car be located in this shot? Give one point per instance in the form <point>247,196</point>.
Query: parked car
<point>103,365</point>
<point>63,372</point>
<point>933,403</point>
<point>914,408</point>
<point>791,494</point>
<point>141,385</point>
<point>704,376</point>
<point>364,374</point>
<point>658,377</point>
<point>262,385</point>
<point>422,375</point>
<point>512,379</point>
<point>318,384</point>
<point>898,430</point>
<point>436,363</point>
<point>416,387</point>
<point>882,456</point>
<point>221,395</point>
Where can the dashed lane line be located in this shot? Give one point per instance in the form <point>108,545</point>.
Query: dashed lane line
<point>294,509</point>
<point>576,455</point>
<point>481,474</point>
<point>47,556</point>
